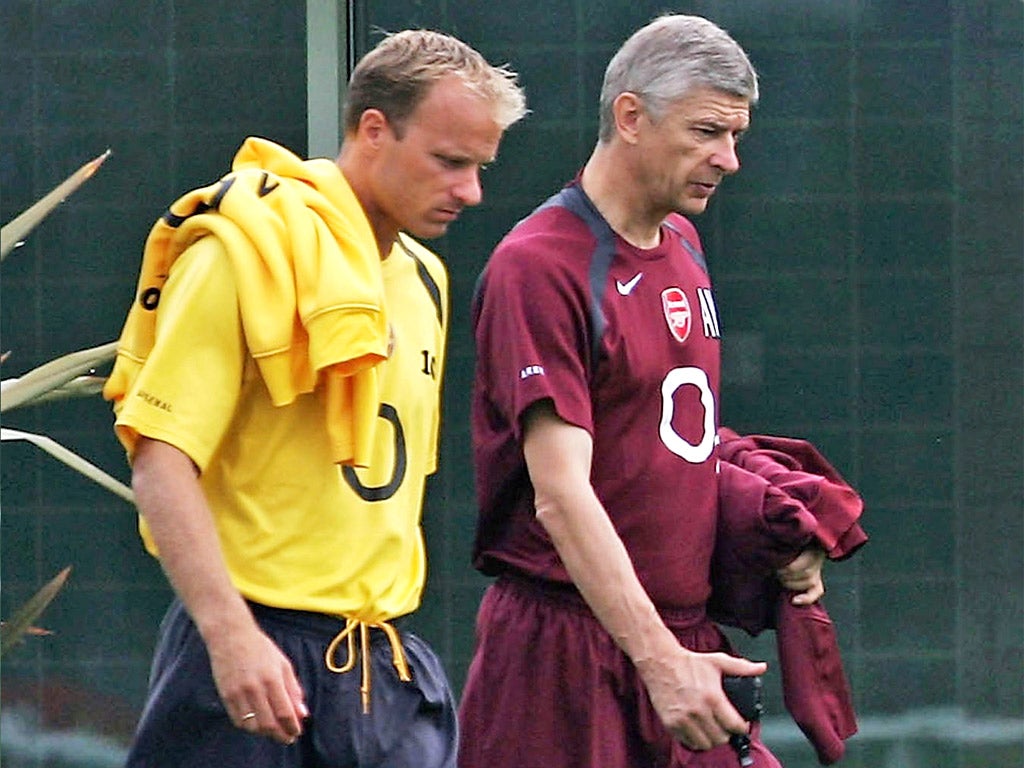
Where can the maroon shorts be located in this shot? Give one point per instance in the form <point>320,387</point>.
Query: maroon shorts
<point>549,688</point>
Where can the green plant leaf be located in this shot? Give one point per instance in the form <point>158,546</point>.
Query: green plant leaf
<point>13,233</point>
<point>13,632</point>
<point>80,386</point>
<point>72,459</point>
<point>15,392</point>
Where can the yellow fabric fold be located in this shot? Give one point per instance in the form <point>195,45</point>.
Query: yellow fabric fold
<point>310,287</point>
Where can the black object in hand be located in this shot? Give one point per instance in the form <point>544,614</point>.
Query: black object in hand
<point>745,694</point>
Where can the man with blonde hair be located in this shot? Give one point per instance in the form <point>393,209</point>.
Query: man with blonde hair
<point>595,416</point>
<point>277,389</point>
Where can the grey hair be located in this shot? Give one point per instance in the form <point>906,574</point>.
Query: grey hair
<point>395,76</point>
<point>670,57</point>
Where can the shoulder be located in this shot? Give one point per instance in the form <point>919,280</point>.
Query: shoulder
<point>549,229</point>
<point>430,273</point>
<point>685,228</point>
<point>428,263</point>
<point>551,240</point>
<point>541,267</point>
<point>205,261</point>
<point>201,283</point>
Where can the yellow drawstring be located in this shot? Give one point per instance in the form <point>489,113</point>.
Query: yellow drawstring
<point>348,633</point>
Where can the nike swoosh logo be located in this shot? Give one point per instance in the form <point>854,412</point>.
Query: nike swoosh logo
<point>627,288</point>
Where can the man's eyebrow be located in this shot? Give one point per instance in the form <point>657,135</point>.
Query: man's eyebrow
<point>464,159</point>
<point>719,123</point>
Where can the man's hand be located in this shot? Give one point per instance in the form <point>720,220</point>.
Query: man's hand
<point>254,676</point>
<point>251,673</point>
<point>687,694</point>
<point>803,576</point>
<point>685,687</point>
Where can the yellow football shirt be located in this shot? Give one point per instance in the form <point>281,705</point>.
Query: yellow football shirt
<point>297,530</point>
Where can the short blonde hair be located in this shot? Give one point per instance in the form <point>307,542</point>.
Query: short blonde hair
<point>396,75</point>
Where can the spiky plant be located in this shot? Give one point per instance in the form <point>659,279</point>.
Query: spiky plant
<point>68,376</point>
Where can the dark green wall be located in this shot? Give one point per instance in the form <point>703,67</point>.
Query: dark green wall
<point>172,87</point>
<point>869,264</point>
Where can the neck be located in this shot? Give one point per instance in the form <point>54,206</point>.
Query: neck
<point>384,232</point>
<point>609,183</point>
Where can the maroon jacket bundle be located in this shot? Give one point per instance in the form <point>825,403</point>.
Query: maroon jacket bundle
<point>777,495</point>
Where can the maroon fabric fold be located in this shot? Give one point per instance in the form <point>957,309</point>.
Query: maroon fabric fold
<point>776,495</point>
<point>760,530</point>
<point>814,686</point>
<point>798,469</point>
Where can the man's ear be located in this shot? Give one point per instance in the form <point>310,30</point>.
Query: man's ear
<point>373,126</point>
<point>627,109</point>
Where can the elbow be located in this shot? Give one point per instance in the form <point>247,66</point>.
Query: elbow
<point>142,464</point>
<point>550,513</point>
<point>155,460</point>
<point>543,509</point>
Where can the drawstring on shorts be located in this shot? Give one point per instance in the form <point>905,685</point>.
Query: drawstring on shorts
<point>348,633</point>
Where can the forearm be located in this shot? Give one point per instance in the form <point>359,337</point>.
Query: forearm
<point>255,680</point>
<point>558,458</point>
<point>599,565</point>
<point>685,686</point>
<point>169,496</point>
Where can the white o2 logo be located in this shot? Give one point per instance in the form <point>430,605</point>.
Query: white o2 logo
<point>682,377</point>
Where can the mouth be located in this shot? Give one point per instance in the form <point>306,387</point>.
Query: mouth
<point>448,214</point>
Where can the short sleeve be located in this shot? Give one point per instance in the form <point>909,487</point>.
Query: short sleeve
<point>531,335</point>
<point>189,386</point>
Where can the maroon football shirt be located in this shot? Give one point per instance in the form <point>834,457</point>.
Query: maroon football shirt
<point>625,343</point>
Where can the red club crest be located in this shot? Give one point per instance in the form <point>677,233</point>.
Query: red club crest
<point>677,313</point>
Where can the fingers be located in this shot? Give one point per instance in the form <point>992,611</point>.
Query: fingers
<point>804,576</point>
<point>710,727</point>
<point>272,709</point>
<point>296,696</point>
<point>284,727</point>
<point>809,587</point>
<point>247,721</point>
<point>279,714</point>
<point>701,733</point>
<point>735,665</point>
<point>261,694</point>
<point>287,717</point>
<point>810,595</point>
<point>709,718</point>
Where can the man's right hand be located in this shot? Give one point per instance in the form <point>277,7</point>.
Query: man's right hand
<point>685,687</point>
<point>251,673</point>
<point>254,676</point>
<point>686,691</point>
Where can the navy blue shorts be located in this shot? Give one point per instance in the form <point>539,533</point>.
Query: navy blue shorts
<point>184,723</point>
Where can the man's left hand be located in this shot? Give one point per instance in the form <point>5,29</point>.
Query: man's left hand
<point>803,576</point>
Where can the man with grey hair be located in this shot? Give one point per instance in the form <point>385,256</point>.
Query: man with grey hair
<point>278,389</point>
<point>595,415</point>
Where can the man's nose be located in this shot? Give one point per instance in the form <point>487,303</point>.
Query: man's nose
<point>726,157</point>
<point>468,190</point>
